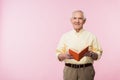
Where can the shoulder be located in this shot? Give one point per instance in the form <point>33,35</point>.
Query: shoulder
<point>66,34</point>
<point>90,34</point>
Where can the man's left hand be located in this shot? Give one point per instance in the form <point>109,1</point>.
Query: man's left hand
<point>93,55</point>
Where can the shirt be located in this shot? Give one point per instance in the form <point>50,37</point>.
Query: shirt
<point>78,41</point>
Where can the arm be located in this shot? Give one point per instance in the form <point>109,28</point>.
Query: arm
<point>93,55</point>
<point>61,50</point>
<point>95,50</point>
<point>62,57</point>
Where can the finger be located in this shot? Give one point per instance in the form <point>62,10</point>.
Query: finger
<point>71,57</point>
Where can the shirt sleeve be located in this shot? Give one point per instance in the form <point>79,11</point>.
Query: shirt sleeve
<point>96,47</point>
<point>61,48</point>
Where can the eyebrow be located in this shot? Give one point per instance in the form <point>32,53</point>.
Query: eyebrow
<point>78,17</point>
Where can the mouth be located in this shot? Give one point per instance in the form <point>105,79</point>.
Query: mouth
<point>77,23</point>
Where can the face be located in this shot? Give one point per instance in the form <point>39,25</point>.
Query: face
<point>77,20</point>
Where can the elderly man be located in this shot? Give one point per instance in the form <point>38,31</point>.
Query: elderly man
<point>78,39</point>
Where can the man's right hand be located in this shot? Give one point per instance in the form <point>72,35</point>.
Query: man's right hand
<point>62,57</point>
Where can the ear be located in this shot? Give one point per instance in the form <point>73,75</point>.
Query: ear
<point>71,20</point>
<point>84,20</point>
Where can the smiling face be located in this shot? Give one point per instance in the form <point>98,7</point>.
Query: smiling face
<point>78,20</point>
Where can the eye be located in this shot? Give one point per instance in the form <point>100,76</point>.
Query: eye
<point>80,18</point>
<point>74,18</point>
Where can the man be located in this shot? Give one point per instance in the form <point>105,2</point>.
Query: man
<point>78,39</point>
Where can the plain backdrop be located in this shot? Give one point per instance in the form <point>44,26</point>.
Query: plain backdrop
<point>30,31</point>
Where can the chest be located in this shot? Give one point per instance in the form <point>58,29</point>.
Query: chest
<point>78,42</point>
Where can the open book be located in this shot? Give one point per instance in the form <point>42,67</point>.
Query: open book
<point>77,56</point>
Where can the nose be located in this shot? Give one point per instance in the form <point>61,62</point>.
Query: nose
<point>77,20</point>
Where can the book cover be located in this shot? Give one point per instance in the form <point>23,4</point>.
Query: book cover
<point>77,56</point>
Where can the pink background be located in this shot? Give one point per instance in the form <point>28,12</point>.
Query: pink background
<point>31,29</point>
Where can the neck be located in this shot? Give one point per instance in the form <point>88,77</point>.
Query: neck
<point>77,30</point>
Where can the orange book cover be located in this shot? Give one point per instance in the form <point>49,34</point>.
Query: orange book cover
<point>78,56</point>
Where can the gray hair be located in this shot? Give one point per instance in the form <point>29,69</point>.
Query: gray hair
<point>80,11</point>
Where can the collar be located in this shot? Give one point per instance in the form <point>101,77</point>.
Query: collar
<point>79,31</point>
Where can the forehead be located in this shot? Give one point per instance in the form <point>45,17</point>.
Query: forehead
<point>77,14</point>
